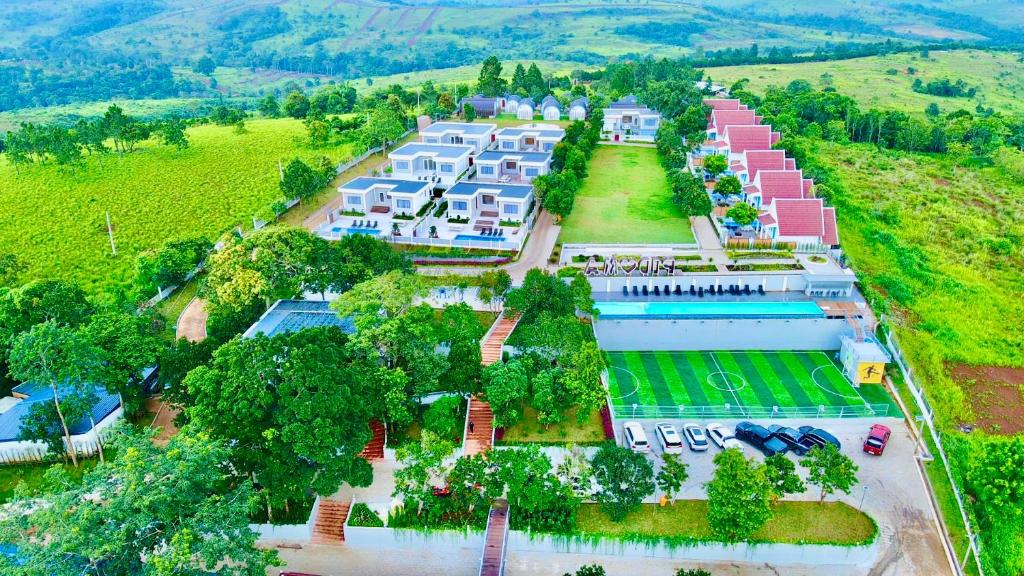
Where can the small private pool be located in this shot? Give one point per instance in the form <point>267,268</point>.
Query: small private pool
<point>340,229</point>
<point>801,309</point>
<point>474,238</point>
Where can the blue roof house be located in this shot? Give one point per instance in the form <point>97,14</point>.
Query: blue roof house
<point>578,109</point>
<point>509,166</point>
<point>550,108</point>
<point>477,135</point>
<point>488,201</point>
<point>529,138</point>
<point>526,109</point>
<point>440,164</point>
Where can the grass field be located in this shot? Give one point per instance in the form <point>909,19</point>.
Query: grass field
<point>53,219</point>
<point>999,77</point>
<point>568,431</point>
<point>625,199</point>
<point>687,520</point>
<point>756,382</point>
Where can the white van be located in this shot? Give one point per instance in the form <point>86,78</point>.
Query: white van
<point>634,438</point>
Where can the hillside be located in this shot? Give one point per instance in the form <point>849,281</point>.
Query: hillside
<point>54,220</point>
<point>885,81</point>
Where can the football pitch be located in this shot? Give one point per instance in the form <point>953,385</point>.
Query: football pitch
<point>748,384</point>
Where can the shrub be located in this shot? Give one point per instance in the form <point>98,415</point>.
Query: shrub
<point>441,208</point>
<point>361,515</point>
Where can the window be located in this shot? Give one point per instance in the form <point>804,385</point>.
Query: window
<point>487,200</point>
<point>457,140</point>
<point>459,205</point>
<point>403,204</point>
<point>650,122</point>
<point>508,145</point>
<point>430,140</point>
<point>447,168</point>
<point>401,165</point>
<point>532,172</point>
<point>487,170</point>
<point>510,165</point>
<point>511,209</point>
<point>355,200</point>
<point>548,146</point>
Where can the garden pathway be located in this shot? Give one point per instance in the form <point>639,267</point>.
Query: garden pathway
<point>710,245</point>
<point>192,322</point>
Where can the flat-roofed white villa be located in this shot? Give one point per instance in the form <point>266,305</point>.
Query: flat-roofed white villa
<point>485,204</point>
<point>442,164</point>
<point>508,166</point>
<point>479,136</point>
<point>384,195</point>
<point>529,138</point>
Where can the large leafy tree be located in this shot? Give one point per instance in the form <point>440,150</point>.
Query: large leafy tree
<point>171,264</point>
<point>997,476</point>
<point>742,213</point>
<point>689,192</point>
<point>462,331</point>
<point>150,512</point>
<point>625,478</point>
<point>383,125</point>
<point>541,292</point>
<point>62,359</point>
<point>539,498</point>
<point>781,474</point>
<point>506,386</point>
<point>830,470</point>
<point>582,380</point>
<point>490,82</point>
<point>296,408</point>
<point>672,475</point>
<point>715,164</point>
<point>130,344</point>
<point>738,496</point>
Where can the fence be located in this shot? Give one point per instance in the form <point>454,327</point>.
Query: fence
<point>927,416</point>
<point>642,412</point>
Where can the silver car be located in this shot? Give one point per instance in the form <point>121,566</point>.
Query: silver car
<point>722,437</point>
<point>669,438</point>
<point>695,437</point>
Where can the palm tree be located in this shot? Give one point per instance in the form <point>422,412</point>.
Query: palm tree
<point>394,228</point>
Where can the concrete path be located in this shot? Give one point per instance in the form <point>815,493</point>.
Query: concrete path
<point>707,239</point>
<point>192,322</point>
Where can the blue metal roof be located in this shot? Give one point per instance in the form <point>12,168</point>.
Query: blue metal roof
<point>397,185</point>
<point>502,190</point>
<point>466,127</point>
<point>447,151</point>
<point>550,101</point>
<point>526,102</point>
<point>585,102</point>
<point>540,132</point>
<point>499,155</point>
<point>10,421</point>
<point>295,315</point>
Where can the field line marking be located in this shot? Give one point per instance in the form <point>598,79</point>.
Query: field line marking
<point>726,376</point>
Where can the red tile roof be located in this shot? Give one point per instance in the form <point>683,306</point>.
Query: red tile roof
<point>776,136</point>
<point>764,160</point>
<point>801,217</point>
<point>790,164</point>
<point>723,103</point>
<point>808,184</point>
<point>766,219</point>
<point>743,138</point>
<point>779,184</point>
<point>722,118</point>
<point>831,235</point>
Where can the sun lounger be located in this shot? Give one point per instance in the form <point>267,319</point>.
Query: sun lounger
<point>760,289</point>
<point>644,289</point>
<point>657,291</point>
<point>635,291</point>
<point>625,291</point>
<point>666,290</point>
<point>746,289</point>
<point>700,291</point>
<point>693,291</point>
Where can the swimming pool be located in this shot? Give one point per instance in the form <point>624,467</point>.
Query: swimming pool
<point>338,229</point>
<point>802,309</point>
<point>480,238</point>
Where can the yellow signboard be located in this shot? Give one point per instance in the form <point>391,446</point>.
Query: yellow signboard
<point>870,372</point>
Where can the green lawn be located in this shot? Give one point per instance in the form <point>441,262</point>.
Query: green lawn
<point>568,431</point>
<point>750,383</point>
<point>625,199</point>
<point>53,219</point>
<point>686,520</point>
<point>32,475</point>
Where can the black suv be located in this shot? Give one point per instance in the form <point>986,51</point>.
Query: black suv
<point>791,437</point>
<point>759,437</point>
<point>817,437</point>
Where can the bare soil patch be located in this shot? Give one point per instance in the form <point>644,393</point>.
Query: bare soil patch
<point>995,396</point>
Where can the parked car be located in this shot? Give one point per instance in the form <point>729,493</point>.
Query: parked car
<point>634,438</point>
<point>817,437</point>
<point>695,437</point>
<point>722,437</point>
<point>791,437</point>
<point>670,440</point>
<point>759,437</point>
<point>877,439</point>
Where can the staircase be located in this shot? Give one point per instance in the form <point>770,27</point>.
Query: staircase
<point>374,449</point>
<point>329,527</point>
<point>479,429</point>
<point>490,348</point>
<point>492,563</point>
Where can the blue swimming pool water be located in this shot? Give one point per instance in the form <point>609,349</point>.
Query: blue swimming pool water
<point>803,309</point>
<point>480,238</point>
<point>337,229</point>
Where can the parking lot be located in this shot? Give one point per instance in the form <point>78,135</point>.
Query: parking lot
<point>891,489</point>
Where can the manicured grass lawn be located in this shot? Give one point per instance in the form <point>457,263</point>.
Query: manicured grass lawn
<point>625,199</point>
<point>53,219</point>
<point>751,379</point>
<point>793,522</point>
<point>32,475</point>
<point>568,431</point>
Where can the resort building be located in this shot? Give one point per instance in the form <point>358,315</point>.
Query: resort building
<point>800,221</point>
<point>489,202</point>
<point>507,166</point>
<point>383,195</point>
<point>510,104</point>
<point>441,164</point>
<point>477,135</point>
<point>771,184</point>
<point>725,104</point>
<point>627,120</point>
<point>287,316</point>
<point>526,109</point>
<point>550,108</point>
<point>578,109</point>
<point>746,169</point>
<point>529,138</point>
<point>485,106</point>
<point>720,119</point>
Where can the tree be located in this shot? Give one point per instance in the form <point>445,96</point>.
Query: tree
<point>269,107</point>
<point>129,344</point>
<point>490,83</point>
<point>172,133</point>
<point>506,386</point>
<point>462,331</point>
<point>535,84</point>
<point>997,477</point>
<point>742,213</point>
<point>728,186</point>
<point>152,511</point>
<point>299,180</point>
<point>582,380</point>
<point>782,477</point>
<point>11,268</point>
<point>382,126</point>
<point>541,292</point>
<point>442,417</point>
<point>494,285</point>
<point>589,570</point>
<point>468,111</point>
<point>60,358</point>
<point>541,500</point>
<point>625,478</point>
<point>689,192</point>
<point>518,79</point>
<point>830,470</point>
<point>715,164</point>
<point>445,103</point>
<point>738,496</point>
<point>296,105</point>
<point>672,475</point>
<point>205,66</point>
<point>171,264</point>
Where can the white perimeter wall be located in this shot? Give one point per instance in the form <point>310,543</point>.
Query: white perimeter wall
<point>85,444</point>
<point>721,334</point>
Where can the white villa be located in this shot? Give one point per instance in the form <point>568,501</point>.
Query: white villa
<point>485,204</point>
<point>526,109</point>
<point>800,220</point>
<point>550,109</point>
<point>479,136</point>
<point>578,109</point>
<point>510,104</point>
<point>529,138</point>
<point>509,166</point>
<point>383,195</point>
<point>440,164</point>
<point>628,120</point>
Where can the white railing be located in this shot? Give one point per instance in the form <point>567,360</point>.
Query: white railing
<point>644,412</point>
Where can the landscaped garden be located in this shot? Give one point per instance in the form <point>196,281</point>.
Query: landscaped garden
<point>625,199</point>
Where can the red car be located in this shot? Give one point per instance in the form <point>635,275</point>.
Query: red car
<point>878,437</point>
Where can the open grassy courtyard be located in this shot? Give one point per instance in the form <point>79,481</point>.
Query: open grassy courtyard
<point>625,199</point>
<point>751,383</point>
